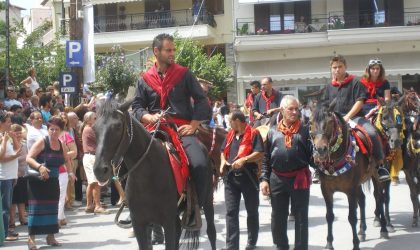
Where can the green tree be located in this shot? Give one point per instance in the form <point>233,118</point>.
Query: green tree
<point>191,54</point>
<point>48,59</point>
<point>114,74</point>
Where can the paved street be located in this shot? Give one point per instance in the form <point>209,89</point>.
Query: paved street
<point>86,231</point>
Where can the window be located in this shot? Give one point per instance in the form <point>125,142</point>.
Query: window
<point>215,7</point>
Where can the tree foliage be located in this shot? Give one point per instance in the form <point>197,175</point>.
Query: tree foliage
<point>213,68</point>
<point>114,74</point>
<point>47,59</point>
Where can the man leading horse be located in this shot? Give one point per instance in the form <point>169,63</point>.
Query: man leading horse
<point>170,86</point>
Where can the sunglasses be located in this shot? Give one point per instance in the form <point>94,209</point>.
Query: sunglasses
<point>374,62</point>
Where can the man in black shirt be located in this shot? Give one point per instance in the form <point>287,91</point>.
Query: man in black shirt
<point>286,175</point>
<point>169,85</point>
<point>267,102</point>
<point>242,148</point>
<point>349,96</point>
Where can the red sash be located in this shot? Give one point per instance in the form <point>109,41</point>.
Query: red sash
<point>346,80</point>
<point>173,76</point>
<point>371,88</point>
<point>245,147</point>
<point>302,177</point>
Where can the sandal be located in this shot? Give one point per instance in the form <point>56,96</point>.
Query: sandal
<point>53,242</point>
<point>101,210</point>
<point>31,245</point>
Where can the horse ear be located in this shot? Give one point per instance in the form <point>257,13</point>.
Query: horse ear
<point>126,105</point>
<point>332,105</point>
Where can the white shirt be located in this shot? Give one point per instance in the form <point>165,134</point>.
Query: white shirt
<point>34,85</point>
<point>9,169</point>
<point>35,134</point>
<point>10,102</point>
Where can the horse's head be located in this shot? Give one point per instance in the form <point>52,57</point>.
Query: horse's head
<point>410,102</point>
<point>111,130</point>
<point>325,131</point>
<point>390,123</point>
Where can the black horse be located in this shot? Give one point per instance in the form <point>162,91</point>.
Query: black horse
<point>343,168</point>
<point>151,191</point>
<point>389,123</point>
<point>411,150</point>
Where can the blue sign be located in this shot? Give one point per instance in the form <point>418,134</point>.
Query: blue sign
<point>74,53</point>
<point>68,82</point>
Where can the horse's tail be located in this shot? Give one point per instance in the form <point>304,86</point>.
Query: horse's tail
<point>191,239</point>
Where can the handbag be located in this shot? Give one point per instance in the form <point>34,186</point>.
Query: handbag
<point>34,173</point>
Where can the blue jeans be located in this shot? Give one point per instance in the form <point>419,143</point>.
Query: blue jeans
<point>6,191</point>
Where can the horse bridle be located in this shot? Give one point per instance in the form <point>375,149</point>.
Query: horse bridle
<point>337,139</point>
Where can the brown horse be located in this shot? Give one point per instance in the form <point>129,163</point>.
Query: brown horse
<point>343,168</point>
<point>411,150</point>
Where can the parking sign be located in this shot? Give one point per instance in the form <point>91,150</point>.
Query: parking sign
<point>74,53</point>
<point>68,82</point>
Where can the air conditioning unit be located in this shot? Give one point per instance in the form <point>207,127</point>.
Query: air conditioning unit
<point>80,14</point>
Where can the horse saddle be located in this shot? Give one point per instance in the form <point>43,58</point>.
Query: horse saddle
<point>361,137</point>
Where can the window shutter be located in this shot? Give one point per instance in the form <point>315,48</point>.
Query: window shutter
<point>395,13</point>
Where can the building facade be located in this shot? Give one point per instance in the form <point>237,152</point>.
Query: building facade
<point>293,40</point>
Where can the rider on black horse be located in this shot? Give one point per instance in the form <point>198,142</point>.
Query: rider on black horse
<point>170,85</point>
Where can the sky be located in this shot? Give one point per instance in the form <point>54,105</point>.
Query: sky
<point>27,4</point>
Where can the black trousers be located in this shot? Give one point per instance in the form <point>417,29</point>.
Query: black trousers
<point>235,185</point>
<point>78,192</point>
<point>281,189</point>
<point>199,166</point>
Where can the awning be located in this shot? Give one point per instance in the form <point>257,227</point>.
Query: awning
<point>95,2</point>
<point>267,1</point>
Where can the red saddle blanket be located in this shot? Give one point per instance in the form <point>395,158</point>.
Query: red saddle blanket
<point>362,139</point>
<point>178,157</point>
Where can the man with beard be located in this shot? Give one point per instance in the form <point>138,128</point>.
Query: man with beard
<point>266,103</point>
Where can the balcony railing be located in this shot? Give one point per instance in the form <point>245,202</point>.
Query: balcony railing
<point>246,26</point>
<point>151,20</point>
<point>322,23</point>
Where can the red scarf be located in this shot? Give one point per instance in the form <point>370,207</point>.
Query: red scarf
<point>268,100</point>
<point>249,102</point>
<point>371,87</point>
<point>302,177</point>
<point>173,76</point>
<point>346,80</point>
<point>245,147</point>
<point>288,132</point>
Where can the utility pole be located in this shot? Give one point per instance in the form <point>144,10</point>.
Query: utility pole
<point>7,73</point>
<point>76,33</point>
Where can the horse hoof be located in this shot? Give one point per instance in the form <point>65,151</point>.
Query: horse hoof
<point>376,222</point>
<point>390,229</point>
<point>384,235</point>
<point>362,237</point>
<point>329,246</point>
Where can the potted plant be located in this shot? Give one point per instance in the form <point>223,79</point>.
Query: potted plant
<point>244,29</point>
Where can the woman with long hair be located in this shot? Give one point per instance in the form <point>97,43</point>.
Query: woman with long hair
<point>46,156</point>
<point>93,191</point>
<point>66,171</point>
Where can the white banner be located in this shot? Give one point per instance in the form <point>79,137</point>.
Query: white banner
<point>88,45</point>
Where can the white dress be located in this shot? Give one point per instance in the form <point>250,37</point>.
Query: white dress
<point>34,85</point>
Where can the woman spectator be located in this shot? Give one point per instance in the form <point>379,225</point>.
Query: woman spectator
<point>30,81</point>
<point>24,95</point>
<point>93,191</point>
<point>9,153</point>
<point>20,193</point>
<point>46,156</point>
<point>66,171</point>
<point>37,130</point>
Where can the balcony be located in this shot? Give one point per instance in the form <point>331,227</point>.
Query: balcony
<point>327,30</point>
<point>150,20</point>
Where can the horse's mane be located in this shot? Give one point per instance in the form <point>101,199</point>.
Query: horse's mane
<point>106,107</point>
<point>321,112</point>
